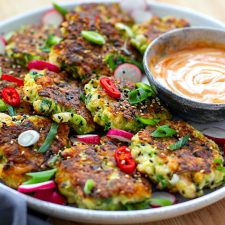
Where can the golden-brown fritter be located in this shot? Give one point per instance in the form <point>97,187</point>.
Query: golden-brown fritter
<point>111,188</point>
<point>186,170</point>
<point>146,32</point>
<point>16,160</point>
<point>28,43</point>
<point>119,113</point>
<point>53,93</point>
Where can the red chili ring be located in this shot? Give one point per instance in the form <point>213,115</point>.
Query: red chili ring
<point>11,96</point>
<point>109,87</point>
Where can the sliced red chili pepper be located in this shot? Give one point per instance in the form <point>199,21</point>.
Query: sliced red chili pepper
<point>41,65</point>
<point>13,79</point>
<point>109,87</point>
<point>125,160</point>
<point>11,96</point>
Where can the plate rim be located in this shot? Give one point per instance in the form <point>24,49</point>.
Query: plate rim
<point>116,217</point>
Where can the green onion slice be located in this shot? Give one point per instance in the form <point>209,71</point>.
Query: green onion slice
<point>3,106</point>
<point>60,9</point>
<point>146,121</point>
<point>163,131</point>
<point>51,41</point>
<point>160,202</point>
<point>39,177</point>
<point>123,27</point>
<point>145,87</point>
<point>50,137</point>
<point>183,141</point>
<point>93,37</point>
<point>88,187</point>
<point>137,95</point>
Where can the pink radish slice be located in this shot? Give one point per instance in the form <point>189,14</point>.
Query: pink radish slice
<point>128,72</point>
<point>216,134</point>
<point>89,139</point>
<point>141,16</point>
<point>120,135</point>
<point>2,45</point>
<point>36,187</point>
<point>50,195</point>
<point>41,65</point>
<point>52,18</point>
<point>164,196</point>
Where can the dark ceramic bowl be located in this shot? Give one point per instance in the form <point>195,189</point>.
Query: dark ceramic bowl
<point>174,41</point>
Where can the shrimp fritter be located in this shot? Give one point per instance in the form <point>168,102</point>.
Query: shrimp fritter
<point>16,160</point>
<point>53,94</point>
<point>108,187</point>
<point>146,32</point>
<point>119,113</point>
<point>186,170</point>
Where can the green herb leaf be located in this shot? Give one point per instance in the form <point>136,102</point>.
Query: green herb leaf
<point>163,182</point>
<point>160,201</point>
<point>82,97</point>
<point>146,88</point>
<point>218,161</point>
<point>163,131</point>
<point>146,121</point>
<point>60,9</point>
<point>107,126</point>
<point>220,166</point>
<point>89,186</point>
<point>39,177</point>
<point>11,110</point>
<point>51,41</point>
<point>50,137</point>
<point>183,141</point>
<point>3,106</point>
<point>137,95</point>
<point>93,37</point>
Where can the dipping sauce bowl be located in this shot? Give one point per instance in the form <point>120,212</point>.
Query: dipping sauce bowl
<point>188,105</point>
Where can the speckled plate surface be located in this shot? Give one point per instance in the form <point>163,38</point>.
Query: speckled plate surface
<point>119,217</point>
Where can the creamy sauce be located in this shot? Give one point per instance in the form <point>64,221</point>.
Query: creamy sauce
<point>198,74</point>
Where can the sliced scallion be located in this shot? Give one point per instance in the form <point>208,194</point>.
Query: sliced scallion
<point>183,141</point>
<point>160,202</point>
<point>88,187</point>
<point>163,131</point>
<point>39,177</point>
<point>50,137</point>
<point>93,37</point>
<point>136,96</point>
<point>60,9</point>
<point>146,121</point>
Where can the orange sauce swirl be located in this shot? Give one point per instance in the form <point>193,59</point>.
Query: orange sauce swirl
<point>197,74</point>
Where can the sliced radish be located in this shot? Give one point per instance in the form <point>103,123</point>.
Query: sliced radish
<point>160,199</point>
<point>3,43</point>
<point>89,139</point>
<point>52,18</point>
<point>128,72</point>
<point>41,65</point>
<point>216,134</point>
<point>141,16</point>
<point>121,135</point>
<point>50,195</point>
<point>36,187</point>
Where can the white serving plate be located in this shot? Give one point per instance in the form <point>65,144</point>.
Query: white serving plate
<point>118,217</point>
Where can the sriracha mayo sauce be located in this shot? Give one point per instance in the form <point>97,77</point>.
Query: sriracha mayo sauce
<point>197,74</point>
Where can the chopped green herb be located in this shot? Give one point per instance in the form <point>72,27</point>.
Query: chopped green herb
<point>162,181</point>
<point>50,137</point>
<point>107,126</point>
<point>145,87</point>
<point>160,201</point>
<point>123,27</point>
<point>39,177</point>
<point>3,106</point>
<point>60,9</point>
<point>137,95</point>
<point>88,187</point>
<point>220,166</point>
<point>82,97</point>
<point>146,121</point>
<point>93,37</point>
<point>11,110</point>
<point>51,41</point>
<point>183,141</point>
<point>163,131</point>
